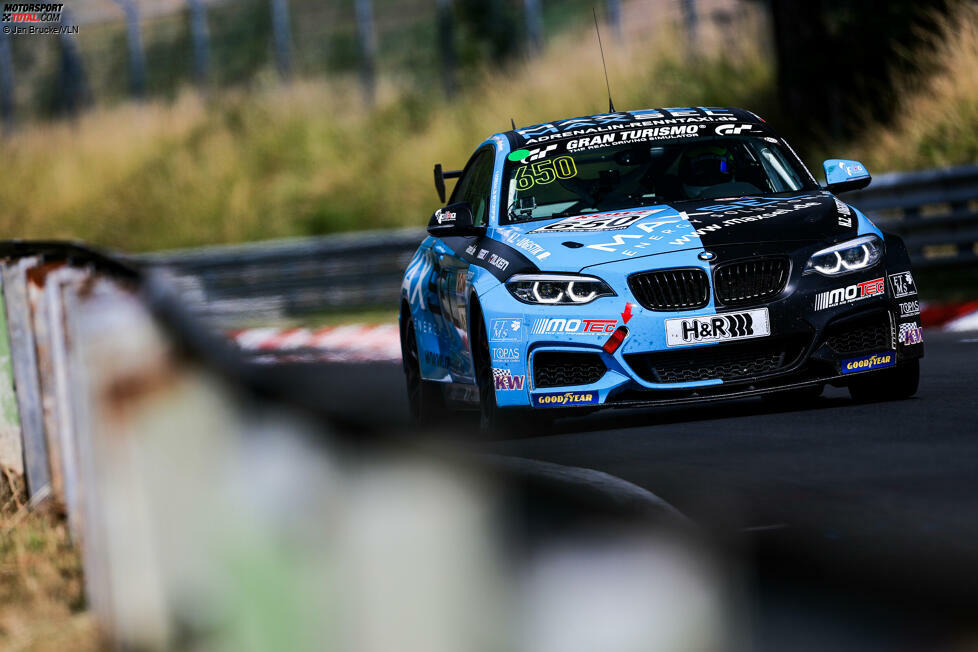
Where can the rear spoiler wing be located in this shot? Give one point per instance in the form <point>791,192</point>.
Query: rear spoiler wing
<point>440,176</point>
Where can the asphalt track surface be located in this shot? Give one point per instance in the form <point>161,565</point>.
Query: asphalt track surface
<point>882,496</point>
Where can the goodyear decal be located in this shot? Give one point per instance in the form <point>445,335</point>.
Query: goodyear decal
<point>564,399</point>
<point>868,362</point>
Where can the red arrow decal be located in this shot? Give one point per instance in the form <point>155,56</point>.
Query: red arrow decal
<point>627,314</point>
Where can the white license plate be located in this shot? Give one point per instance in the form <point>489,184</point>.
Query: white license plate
<point>725,327</point>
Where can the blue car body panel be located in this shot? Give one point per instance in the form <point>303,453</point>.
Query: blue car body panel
<point>447,276</point>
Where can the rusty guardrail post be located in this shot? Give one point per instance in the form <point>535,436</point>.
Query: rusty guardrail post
<point>53,355</point>
<point>11,446</point>
<point>26,381</point>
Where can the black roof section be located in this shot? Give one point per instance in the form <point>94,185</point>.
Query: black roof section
<point>604,122</point>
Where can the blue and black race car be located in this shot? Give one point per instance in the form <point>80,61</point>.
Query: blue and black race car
<point>651,257</point>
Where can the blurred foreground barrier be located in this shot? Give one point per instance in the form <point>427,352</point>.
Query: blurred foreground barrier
<point>218,507</point>
<point>935,211</point>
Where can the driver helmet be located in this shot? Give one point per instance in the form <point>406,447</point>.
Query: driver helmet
<point>706,165</point>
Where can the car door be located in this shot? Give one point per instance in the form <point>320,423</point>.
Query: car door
<point>452,271</point>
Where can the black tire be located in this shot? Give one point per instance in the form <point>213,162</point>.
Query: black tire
<point>495,421</point>
<point>897,383</point>
<point>425,400</point>
<point>491,417</point>
<point>795,398</point>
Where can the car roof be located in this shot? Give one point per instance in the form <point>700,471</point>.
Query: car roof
<point>568,127</point>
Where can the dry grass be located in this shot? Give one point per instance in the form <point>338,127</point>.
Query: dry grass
<point>41,586</point>
<point>308,159</point>
<point>938,118</point>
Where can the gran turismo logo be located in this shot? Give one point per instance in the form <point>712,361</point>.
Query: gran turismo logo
<point>728,130</point>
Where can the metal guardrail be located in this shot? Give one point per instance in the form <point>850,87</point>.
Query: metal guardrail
<point>935,211</point>
<point>215,502</point>
<point>281,278</point>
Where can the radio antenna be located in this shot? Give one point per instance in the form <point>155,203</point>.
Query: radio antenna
<point>513,122</point>
<point>611,105</point>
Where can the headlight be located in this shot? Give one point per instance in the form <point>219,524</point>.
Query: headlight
<point>563,289</point>
<point>845,257</point>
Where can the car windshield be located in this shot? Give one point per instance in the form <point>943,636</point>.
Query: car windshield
<point>553,181</point>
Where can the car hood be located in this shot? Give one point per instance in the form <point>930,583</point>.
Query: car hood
<point>572,243</point>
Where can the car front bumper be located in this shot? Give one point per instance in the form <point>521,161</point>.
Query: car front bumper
<point>557,350</point>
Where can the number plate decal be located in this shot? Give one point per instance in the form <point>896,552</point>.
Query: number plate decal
<point>723,327</point>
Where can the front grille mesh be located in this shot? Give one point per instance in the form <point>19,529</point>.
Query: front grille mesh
<point>870,333</point>
<point>750,281</point>
<point>671,289</point>
<point>728,362</point>
<point>560,369</point>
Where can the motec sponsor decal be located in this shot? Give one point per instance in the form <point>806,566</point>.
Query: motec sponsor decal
<point>613,221</point>
<point>562,326</point>
<point>903,285</point>
<point>850,294</point>
<point>718,328</point>
<point>506,382</point>
<point>868,363</point>
<point>565,399</point>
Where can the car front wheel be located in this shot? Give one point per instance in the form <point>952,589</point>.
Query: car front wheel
<point>896,383</point>
<point>425,400</point>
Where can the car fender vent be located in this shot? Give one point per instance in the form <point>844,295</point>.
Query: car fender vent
<point>867,333</point>
<point>566,368</point>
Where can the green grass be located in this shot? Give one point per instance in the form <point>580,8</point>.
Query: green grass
<point>307,158</point>
<point>42,600</point>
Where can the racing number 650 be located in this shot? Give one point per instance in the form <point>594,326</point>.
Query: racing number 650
<point>544,172</point>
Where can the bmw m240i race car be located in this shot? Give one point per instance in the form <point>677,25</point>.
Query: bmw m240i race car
<point>652,257</point>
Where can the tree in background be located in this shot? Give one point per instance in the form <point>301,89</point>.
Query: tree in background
<point>837,60</point>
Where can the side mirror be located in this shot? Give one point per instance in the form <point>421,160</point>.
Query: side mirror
<point>842,175</point>
<point>454,219</point>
